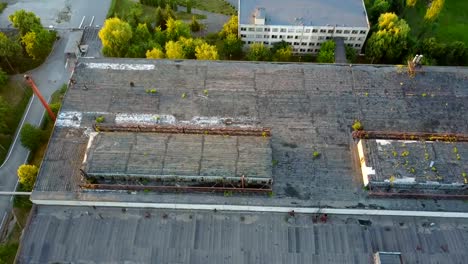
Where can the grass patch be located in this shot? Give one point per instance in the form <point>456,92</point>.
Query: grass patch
<point>214,6</point>
<point>17,95</point>
<point>449,27</point>
<point>186,16</point>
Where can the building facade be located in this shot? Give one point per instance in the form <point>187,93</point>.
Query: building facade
<point>304,32</point>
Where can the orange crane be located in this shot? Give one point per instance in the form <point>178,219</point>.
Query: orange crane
<point>36,91</point>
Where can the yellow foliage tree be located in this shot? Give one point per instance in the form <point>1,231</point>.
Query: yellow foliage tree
<point>434,10</point>
<point>411,3</point>
<point>206,52</point>
<point>27,175</point>
<point>174,50</point>
<point>115,36</point>
<point>155,53</point>
<point>230,27</point>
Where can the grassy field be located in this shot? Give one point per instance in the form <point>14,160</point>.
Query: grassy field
<point>451,25</point>
<point>214,6</point>
<point>17,95</point>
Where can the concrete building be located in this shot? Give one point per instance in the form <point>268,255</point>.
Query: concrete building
<point>304,24</point>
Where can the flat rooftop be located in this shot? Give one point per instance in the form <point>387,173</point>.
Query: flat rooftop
<point>172,157</point>
<point>58,234</point>
<point>309,107</point>
<point>346,13</point>
<point>429,163</point>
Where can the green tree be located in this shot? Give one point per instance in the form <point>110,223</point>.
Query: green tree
<point>351,54</point>
<point>206,52</point>
<point>455,53</point>
<point>327,52</point>
<point>176,29</point>
<point>8,48</point>
<point>25,21</point>
<point>411,3</point>
<point>390,40</point>
<point>155,53</point>
<point>135,14</point>
<point>5,112</point>
<point>230,27</point>
<point>195,26</point>
<point>232,47</point>
<point>27,176</point>
<point>283,54</point>
<point>3,77</point>
<point>142,33</point>
<point>174,50</point>
<point>115,36</point>
<point>160,18</point>
<point>189,45</point>
<point>188,5</point>
<point>31,137</point>
<point>258,52</point>
<point>38,43</point>
<point>378,7</point>
<point>434,10</point>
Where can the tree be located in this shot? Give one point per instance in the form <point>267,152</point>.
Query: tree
<point>206,52</point>
<point>195,26</point>
<point>188,5</point>
<point>350,54</point>
<point>3,77</point>
<point>283,54</point>
<point>455,54</point>
<point>176,29</point>
<point>327,52</point>
<point>25,21</point>
<point>31,137</point>
<point>38,43</point>
<point>5,111</point>
<point>8,48</point>
<point>411,3</point>
<point>379,7</point>
<point>115,36</point>
<point>135,15</point>
<point>27,175</point>
<point>230,27</point>
<point>142,33</point>
<point>174,50</point>
<point>189,45</point>
<point>390,40</point>
<point>258,52</point>
<point>434,10</point>
<point>160,18</point>
<point>155,53</point>
<point>232,47</point>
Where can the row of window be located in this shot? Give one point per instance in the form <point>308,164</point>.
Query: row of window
<point>357,45</point>
<point>300,30</point>
<point>297,37</point>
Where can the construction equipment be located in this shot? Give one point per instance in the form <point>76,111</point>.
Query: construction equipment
<point>36,91</point>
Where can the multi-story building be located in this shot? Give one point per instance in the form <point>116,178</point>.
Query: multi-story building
<point>304,24</point>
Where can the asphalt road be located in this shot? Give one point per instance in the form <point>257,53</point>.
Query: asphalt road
<point>50,76</point>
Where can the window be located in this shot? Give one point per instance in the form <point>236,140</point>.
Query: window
<point>282,37</point>
<point>307,30</point>
<point>321,38</point>
<point>345,38</point>
<point>354,32</point>
<point>290,37</point>
<point>323,31</point>
<point>289,43</point>
<point>352,38</point>
<point>251,29</point>
<point>243,35</point>
<point>290,30</point>
<point>302,50</point>
<point>259,36</point>
<point>330,31</point>
<point>319,44</point>
<point>360,39</point>
<point>357,45</point>
<point>249,42</point>
<point>304,43</point>
<point>299,30</point>
<point>362,32</point>
<point>274,36</point>
<point>266,36</point>
<point>328,38</point>
<point>267,29</point>
<point>295,50</point>
<point>339,31</point>
<point>275,30</point>
<point>296,43</point>
<point>314,30</point>
<point>346,32</point>
<point>349,45</point>
<point>243,42</point>
<point>266,42</point>
<point>283,30</point>
<point>316,50</point>
<point>296,37</point>
<point>309,50</point>
<point>243,29</point>
<point>311,44</point>
<point>259,29</point>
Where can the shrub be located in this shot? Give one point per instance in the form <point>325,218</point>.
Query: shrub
<point>27,175</point>
<point>357,125</point>
<point>100,119</point>
<point>31,137</point>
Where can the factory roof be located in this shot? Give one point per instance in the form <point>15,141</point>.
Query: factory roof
<point>346,13</point>
<point>59,234</point>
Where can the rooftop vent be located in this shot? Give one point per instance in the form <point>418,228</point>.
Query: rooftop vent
<point>387,258</point>
<point>259,16</point>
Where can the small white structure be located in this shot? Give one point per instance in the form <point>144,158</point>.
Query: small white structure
<point>304,24</point>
